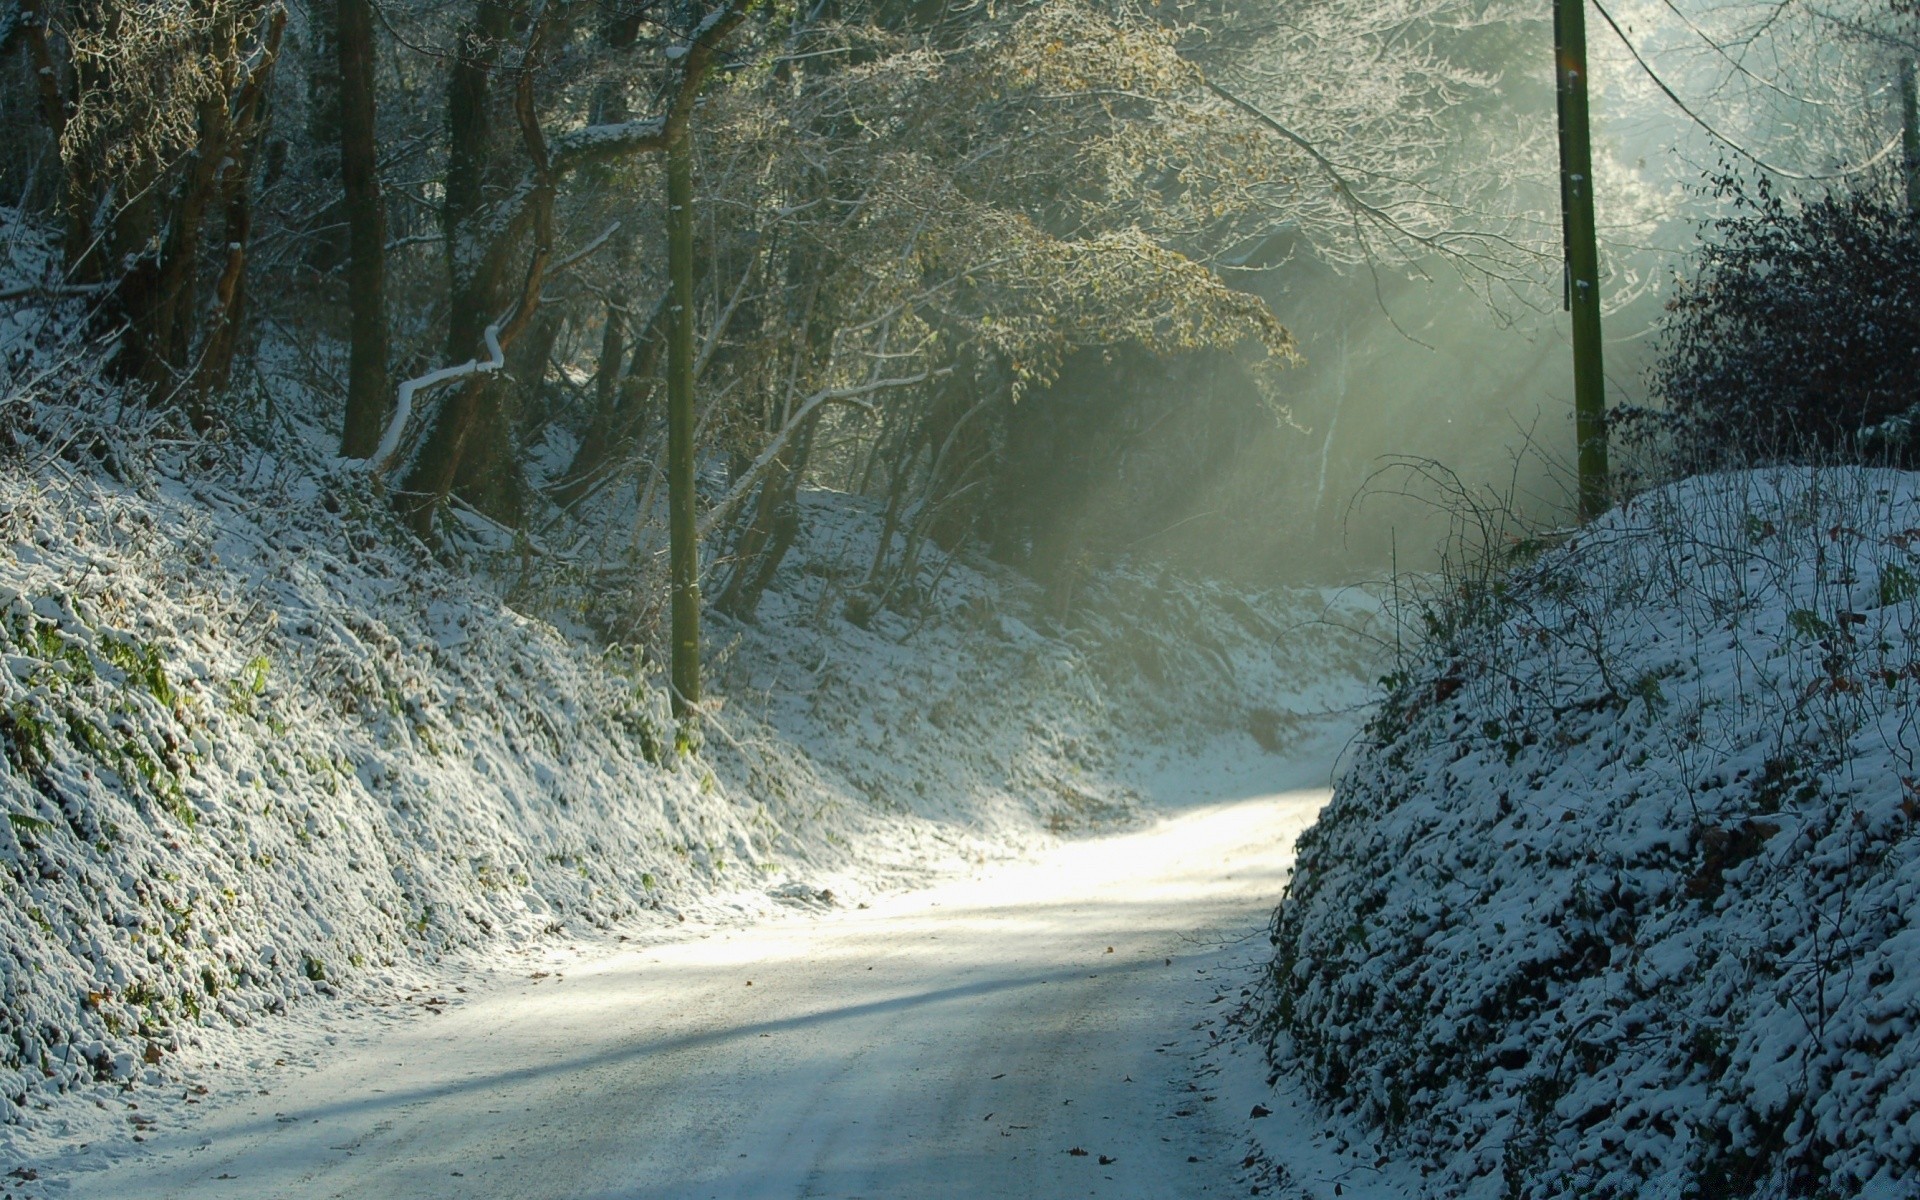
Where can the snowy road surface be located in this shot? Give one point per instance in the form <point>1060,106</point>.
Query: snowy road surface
<point>956,1042</point>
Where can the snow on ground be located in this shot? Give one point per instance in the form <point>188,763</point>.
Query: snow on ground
<point>1622,896</point>
<point>267,763</point>
<point>1040,1031</point>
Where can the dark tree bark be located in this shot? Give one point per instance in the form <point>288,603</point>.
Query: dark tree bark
<point>368,388</point>
<point>619,410</point>
<point>230,292</point>
<point>56,106</point>
<point>483,233</point>
<point>234,181</point>
<point>764,543</point>
<point>475,264</point>
<point>140,230</point>
<point>328,237</point>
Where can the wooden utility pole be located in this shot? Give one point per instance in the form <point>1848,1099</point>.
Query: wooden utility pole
<point>682,529</point>
<point>1582,297</point>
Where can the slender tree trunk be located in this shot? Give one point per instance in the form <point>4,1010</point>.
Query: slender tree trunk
<point>56,105</point>
<point>160,295</point>
<point>368,389</point>
<point>230,296</point>
<point>618,412</point>
<point>476,263</point>
<point>235,196</point>
<point>1910,135</point>
<point>613,355</point>
<point>765,541</point>
<point>682,526</point>
<point>329,235</point>
<point>1583,256</point>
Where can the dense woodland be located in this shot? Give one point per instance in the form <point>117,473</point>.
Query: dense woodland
<point>995,266</point>
<point>392,387</point>
<point>1011,270</point>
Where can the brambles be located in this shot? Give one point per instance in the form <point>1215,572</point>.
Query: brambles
<point>1797,338</point>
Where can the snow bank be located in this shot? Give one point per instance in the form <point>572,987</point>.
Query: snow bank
<point>256,745</point>
<point>982,707</point>
<point>1623,896</point>
<point>252,750</point>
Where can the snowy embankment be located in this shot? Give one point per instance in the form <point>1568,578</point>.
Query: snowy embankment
<point>1622,899</point>
<point>258,746</point>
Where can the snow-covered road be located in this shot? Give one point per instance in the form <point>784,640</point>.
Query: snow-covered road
<point>963,1041</point>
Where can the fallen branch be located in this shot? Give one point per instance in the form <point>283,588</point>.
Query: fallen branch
<point>403,404</point>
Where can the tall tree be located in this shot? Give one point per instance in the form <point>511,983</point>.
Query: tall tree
<point>487,217</point>
<point>158,114</point>
<point>683,528</point>
<point>367,386</point>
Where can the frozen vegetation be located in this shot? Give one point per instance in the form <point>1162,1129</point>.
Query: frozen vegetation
<point>1619,899</point>
<point>260,747</point>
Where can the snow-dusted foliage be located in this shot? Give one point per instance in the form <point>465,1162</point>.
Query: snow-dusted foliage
<point>1795,340</point>
<point>255,743</point>
<point>251,751</point>
<point>1622,899</point>
<point>987,698</point>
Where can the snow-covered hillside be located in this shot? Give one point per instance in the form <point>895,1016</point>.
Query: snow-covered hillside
<point>1623,897</point>
<point>259,745</point>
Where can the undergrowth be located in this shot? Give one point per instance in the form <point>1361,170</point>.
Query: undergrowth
<point>1619,897</point>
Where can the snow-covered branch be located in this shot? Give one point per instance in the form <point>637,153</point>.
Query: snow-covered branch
<point>750,478</point>
<point>403,404</point>
<point>597,143</point>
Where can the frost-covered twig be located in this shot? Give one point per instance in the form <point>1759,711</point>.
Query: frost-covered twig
<point>52,291</point>
<point>847,395</point>
<point>583,252</point>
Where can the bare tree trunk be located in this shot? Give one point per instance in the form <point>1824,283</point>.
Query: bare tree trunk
<point>475,264</point>
<point>682,525</point>
<point>141,230</point>
<point>765,541</point>
<point>482,238</point>
<point>368,391</point>
<point>618,411</point>
<point>56,105</point>
<point>230,296</point>
<point>1910,135</point>
<point>235,177</point>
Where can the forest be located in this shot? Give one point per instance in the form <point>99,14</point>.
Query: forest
<point>1399,513</point>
